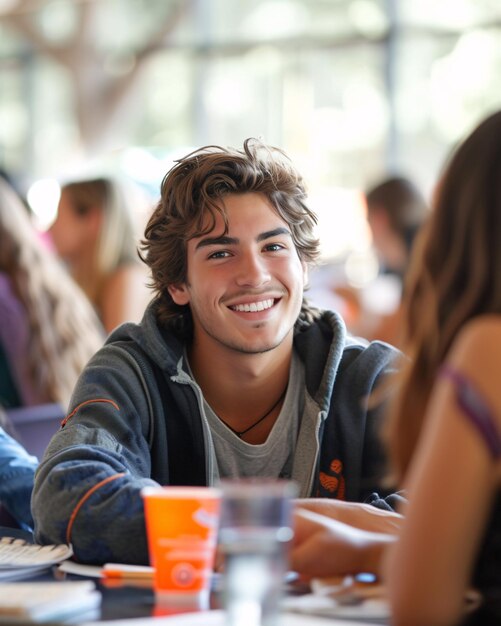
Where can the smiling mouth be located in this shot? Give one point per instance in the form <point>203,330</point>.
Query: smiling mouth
<point>253,307</point>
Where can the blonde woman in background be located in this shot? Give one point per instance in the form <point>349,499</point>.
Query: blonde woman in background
<point>48,330</point>
<point>95,234</point>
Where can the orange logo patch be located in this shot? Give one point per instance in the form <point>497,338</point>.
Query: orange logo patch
<point>333,481</point>
<point>329,483</point>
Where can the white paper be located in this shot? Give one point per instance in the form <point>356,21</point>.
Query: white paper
<point>217,618</point>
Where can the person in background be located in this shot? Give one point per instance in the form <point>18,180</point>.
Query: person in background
<point>396,210</point>
<point>95,234</point>
<point>17,473</point>
<point>444,431</point>
<point>48,330</point>
<point>444,426</point>
<point>230,372</point>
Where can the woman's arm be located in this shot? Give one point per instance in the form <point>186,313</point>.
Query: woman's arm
<point>325,547</point>
<point>451,485</point>
<point>362,516</point>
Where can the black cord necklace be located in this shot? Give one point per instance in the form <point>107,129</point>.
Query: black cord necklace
<point>241,433</point>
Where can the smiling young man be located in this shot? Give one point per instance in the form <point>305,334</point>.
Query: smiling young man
<point>230,372</point>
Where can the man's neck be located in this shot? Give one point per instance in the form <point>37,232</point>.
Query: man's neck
<point>240,387</point>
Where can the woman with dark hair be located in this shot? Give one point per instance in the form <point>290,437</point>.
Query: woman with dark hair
<point>444,434</point>
<point>396,210</point>
<point>444,427</point>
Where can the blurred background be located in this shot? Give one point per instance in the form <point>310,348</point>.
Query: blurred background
<point>353,90</point>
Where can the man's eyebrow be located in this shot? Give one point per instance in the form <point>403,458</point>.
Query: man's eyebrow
<point>225,240</point>
<point>273,233</point>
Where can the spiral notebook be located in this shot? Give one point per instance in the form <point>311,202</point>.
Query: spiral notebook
<point>20,559</point>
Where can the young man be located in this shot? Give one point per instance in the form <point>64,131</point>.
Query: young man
<point>229,374</point>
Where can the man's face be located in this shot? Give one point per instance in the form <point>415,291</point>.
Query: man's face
<point>244,289</point>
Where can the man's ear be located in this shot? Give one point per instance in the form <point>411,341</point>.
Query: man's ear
<point>179,293</point>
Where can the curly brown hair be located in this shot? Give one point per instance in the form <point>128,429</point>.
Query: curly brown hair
<point>192,191</point>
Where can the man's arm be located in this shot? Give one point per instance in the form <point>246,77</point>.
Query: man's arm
<point>87,489</point>
<point>84,495</point>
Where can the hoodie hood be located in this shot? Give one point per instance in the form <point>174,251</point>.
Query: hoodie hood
<point>320,345</point>
<point>162,346</point>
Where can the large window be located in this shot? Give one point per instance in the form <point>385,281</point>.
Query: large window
<point>351,89</point>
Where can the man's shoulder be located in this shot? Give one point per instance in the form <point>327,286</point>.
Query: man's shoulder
<point>360,344</point>
<point>146,340</point>
<point>329,327</point>
<point>322,325</point>
<point>367,354</point>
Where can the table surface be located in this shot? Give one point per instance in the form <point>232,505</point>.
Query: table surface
<point>134,603</point>
<point>129,600</point>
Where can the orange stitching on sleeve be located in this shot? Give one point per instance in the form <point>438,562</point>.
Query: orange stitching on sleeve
<point>70,415</point>
<point>82,501</point>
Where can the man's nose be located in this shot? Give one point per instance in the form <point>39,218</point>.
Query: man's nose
<point>252,270</point>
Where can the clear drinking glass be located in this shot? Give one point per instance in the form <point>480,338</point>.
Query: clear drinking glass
<point>254,534</point>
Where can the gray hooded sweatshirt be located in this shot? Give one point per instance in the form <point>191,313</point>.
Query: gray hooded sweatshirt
<point>135,420</point>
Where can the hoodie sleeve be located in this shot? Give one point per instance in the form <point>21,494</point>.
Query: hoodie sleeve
<point>17,471</point>
<point>394,502</point>
<point>88,487</point>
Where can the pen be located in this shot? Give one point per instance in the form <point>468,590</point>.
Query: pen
<point>119,570</point>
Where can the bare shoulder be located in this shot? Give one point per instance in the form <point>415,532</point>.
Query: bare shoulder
<point>477,353</point>
<point>479,337</point>
<point>125,296</point>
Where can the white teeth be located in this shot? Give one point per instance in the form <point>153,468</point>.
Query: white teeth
<point>254,306</point>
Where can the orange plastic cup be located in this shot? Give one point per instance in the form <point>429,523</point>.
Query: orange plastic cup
<point>181,526</point>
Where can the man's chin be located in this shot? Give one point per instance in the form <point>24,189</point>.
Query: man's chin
<point>257,350</point>
<point>258,347</point>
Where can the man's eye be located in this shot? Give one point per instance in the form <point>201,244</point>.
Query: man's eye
<point>219,254</point>
<point>274,247</point>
